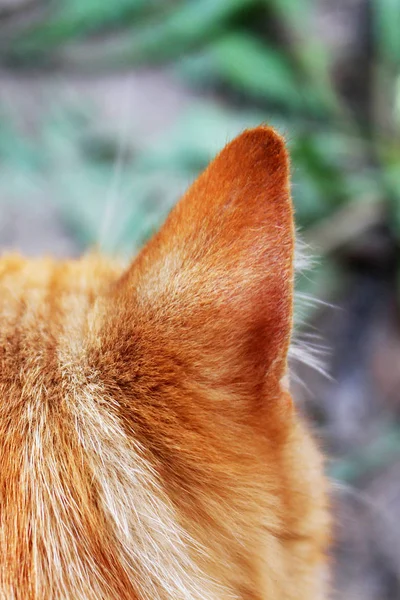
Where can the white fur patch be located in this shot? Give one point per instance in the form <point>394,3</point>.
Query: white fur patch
<point>305,349</point>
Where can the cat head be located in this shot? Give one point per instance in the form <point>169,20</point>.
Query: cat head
<point>162,456</point>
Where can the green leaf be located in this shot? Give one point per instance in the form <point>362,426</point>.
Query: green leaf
<point>74,19</point>
<point>308,51</point>
<point>250,66</point>
<point>178,30</point>
<point>386,23</point>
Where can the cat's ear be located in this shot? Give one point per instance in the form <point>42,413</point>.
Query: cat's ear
<point>217,279</point>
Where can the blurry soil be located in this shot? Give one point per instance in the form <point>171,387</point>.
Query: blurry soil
<point>356,415</point>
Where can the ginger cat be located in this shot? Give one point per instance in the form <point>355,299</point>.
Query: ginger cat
<point>149,447</point>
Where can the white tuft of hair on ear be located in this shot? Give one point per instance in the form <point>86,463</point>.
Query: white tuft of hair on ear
<point>309,354</point>
<point>303,258</point>
<point>305,348</point>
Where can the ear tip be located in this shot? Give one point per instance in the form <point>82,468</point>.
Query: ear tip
<point>263,143</point>
<point>267,137</point>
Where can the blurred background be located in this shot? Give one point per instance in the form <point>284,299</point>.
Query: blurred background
<point>109,109</point>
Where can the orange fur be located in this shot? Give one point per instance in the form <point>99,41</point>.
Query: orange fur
<point>149,447</point>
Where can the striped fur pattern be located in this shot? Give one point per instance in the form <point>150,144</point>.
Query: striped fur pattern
<point>149,448</point>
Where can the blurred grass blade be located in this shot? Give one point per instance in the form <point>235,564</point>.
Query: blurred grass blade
<point>182,28</point>
<point>250,66</point>
<point>170,32</point>
<point>386,22</point>
<point>386,68</point>
<point>310,54</point>
<point>74,19</point>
